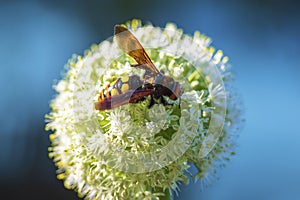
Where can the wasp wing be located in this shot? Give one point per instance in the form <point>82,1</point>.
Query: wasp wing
<point>131,96</point>
<point>130,44</point>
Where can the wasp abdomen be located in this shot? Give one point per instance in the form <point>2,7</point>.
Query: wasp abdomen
<point>120,86</point>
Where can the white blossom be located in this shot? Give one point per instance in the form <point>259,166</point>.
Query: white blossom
<point>137,152</point>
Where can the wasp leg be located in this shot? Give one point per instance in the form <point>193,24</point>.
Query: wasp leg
<point>135,65</point>
<point>152,102</point>
<point>162,100</point>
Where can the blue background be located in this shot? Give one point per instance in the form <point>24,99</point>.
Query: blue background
<point>261,37</point>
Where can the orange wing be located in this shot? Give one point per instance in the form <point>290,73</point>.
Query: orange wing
<point>130,44</point>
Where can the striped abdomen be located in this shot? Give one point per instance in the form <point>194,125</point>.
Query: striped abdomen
<point>120,86</point>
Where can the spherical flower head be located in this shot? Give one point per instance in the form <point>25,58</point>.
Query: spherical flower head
<point>137,151</point>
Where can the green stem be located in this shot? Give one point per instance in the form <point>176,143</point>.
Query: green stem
<point>167,196</point>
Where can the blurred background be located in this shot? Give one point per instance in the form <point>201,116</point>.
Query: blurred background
<point>261,38</point>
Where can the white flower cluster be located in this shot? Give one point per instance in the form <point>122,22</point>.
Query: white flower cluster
<point>133,151</point>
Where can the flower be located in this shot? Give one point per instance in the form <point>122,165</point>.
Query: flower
<point>137,152</point>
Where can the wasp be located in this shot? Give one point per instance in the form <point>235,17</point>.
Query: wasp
<point>132,89</point>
